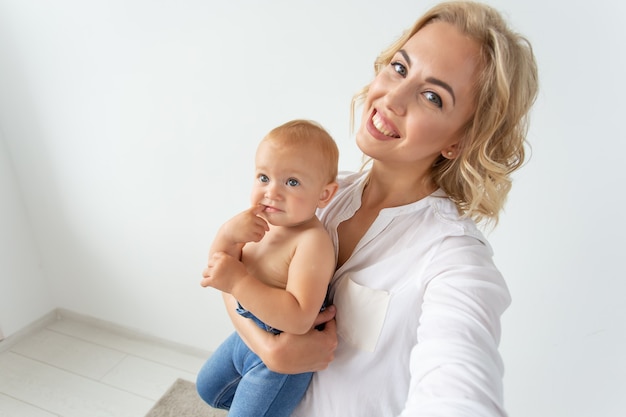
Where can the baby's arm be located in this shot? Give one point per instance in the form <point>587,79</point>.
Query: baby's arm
<point>245,227</point>
<point>294,308</point>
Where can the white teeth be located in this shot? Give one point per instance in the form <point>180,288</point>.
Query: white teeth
<point>379,125</point>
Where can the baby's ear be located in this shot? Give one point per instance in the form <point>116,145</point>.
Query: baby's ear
<point>327,194</point>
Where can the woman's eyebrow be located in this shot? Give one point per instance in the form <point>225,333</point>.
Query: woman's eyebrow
<point>405,56</point>
<point>444,85</point>
<point>432,80</point>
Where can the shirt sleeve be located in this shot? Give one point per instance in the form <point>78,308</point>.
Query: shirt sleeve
<point>456,369</point>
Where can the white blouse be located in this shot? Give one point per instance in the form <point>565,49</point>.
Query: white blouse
<point>418,315</point>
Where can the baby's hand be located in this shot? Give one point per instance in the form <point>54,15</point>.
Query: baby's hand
<point>246,226</point>
<point>223,272</point>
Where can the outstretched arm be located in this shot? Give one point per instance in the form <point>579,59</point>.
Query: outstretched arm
<point>455,367</point>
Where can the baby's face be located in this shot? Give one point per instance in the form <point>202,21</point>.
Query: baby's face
<point>289,182</point>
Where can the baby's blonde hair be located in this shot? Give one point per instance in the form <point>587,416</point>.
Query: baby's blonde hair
<point>478,179</point>
<point>310,135</point>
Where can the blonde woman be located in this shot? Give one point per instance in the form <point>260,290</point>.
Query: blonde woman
<point>417,296</point>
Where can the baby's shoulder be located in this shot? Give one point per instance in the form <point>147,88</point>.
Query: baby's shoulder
<point>314,237</point>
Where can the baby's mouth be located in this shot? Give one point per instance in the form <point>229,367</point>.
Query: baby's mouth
<point>271,209</point>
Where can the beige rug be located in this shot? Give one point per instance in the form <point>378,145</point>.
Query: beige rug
<point>182,400</point>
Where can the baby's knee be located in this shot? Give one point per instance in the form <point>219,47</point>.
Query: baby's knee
<point>217,395</point>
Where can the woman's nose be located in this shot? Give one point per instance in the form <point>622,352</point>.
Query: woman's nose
<point>396,97</point>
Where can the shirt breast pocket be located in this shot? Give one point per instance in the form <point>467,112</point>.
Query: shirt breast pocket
<point>361,313</point>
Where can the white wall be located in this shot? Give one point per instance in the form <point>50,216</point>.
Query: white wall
<point>24,293</point>
<point>132,125</point>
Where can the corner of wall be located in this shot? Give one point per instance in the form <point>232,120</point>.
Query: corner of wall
<point>33,327</point>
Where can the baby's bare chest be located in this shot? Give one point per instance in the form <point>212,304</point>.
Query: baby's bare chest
<point>269,260</point>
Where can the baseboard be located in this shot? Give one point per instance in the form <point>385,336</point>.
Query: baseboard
<point>63,314</point>
<point>136,334</point>
<point>33,327</point>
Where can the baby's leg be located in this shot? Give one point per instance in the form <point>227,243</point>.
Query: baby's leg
<point>218,378</point>
<point>263,393</point>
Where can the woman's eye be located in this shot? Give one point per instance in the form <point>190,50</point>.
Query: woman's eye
<point>292,182</point>
<point>264,178</point>
<point>399,68</point>
<point>433,98</point>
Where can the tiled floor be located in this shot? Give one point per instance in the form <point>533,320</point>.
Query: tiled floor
<point>73,368</point>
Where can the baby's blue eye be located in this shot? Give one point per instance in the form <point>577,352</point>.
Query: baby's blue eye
<point>292,182</point>
<point>264,178</point>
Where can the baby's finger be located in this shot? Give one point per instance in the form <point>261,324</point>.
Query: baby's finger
<point>257,209</point>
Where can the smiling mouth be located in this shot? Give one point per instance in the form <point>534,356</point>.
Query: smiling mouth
<point>380,125</point>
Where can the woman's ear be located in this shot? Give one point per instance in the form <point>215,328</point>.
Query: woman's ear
<point>327,194</point>
<point>451,151</point>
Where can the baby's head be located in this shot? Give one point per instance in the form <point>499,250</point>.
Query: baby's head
<point>295,172</point>
<point>308,138</point>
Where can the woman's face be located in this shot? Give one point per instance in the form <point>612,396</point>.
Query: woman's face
<point>417,105</point>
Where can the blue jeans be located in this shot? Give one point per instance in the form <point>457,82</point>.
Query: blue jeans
<point>248,314</point>
<point>234,378</point>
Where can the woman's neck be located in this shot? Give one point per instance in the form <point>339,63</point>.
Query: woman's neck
<point>391,188</point>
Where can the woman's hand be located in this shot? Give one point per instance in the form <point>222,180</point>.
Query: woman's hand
<point>310,352</point>
<point>288,353</point>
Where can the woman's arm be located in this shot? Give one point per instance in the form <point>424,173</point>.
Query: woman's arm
<point>456,368</point>
<point>287,353</point>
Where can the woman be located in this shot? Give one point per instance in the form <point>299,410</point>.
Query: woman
<point>417,297</point>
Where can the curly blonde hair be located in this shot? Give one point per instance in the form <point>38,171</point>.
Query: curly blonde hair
<point>493,146</point>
